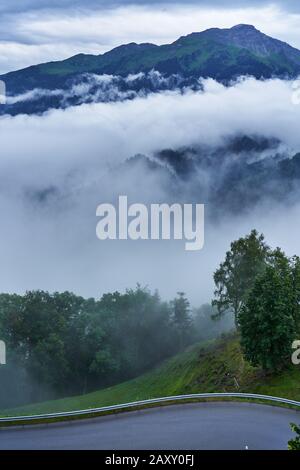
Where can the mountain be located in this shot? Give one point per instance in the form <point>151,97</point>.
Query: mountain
<point>222,54</point>
<point>242,174</point>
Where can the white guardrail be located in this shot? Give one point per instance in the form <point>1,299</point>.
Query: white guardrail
<point>154,401</point>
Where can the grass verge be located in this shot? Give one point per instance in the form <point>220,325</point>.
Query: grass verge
<point>216,366</point>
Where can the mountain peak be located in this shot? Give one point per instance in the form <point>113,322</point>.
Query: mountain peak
<point>244,27</point>
<point>221,54</point>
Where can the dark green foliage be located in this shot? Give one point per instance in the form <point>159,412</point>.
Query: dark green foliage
<point>236,275</point>
<point>268,320</point>
<point>294,444</point>
<point>181,319</point>
<point>60,344</point>
<point>295,265</point>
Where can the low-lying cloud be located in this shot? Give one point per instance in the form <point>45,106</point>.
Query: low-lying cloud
<point>56,168</point>
<point>93,88</point>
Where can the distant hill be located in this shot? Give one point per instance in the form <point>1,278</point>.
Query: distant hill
<point>222,54</point>
<point>241,174</point>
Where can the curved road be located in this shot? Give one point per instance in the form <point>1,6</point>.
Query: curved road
<point>197,426</point>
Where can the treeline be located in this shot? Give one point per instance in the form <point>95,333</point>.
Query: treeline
<point>62,344</point>
<point>261,286</point>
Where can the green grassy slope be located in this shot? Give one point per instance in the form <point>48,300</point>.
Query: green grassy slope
<point>202,368</point>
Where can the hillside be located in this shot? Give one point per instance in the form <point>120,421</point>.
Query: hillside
<point>209,367</point>
<point>217,53</point>
<point>241,174</point>
<point>222,54</point>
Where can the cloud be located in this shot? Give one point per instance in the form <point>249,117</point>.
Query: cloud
<point>39,32</point>
<point>17,6</point>
<point>57,168</point>
<point>89,88</point>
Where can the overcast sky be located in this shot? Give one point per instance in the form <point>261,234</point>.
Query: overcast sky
<point>34,31</point>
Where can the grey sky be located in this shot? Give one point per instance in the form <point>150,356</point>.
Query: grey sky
<point>17,6</point>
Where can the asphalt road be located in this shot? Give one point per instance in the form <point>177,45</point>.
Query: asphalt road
<point>198,426</point>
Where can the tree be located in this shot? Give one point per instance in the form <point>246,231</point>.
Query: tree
<point>61,344</point>
<point>294,444</point>
<point>236,275</point>
<point>182,319</point>
<point>296,286</point>
<point>267,320</point>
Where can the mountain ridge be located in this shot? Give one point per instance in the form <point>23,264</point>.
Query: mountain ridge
<point>220,54</point>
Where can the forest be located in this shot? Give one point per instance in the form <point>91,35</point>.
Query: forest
<point>61,344</point>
